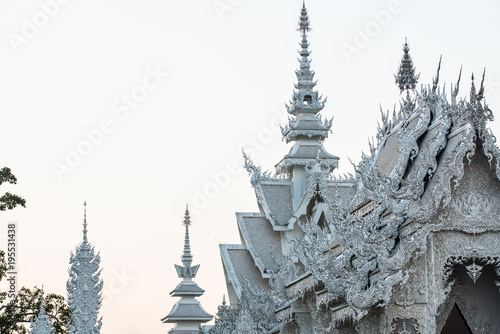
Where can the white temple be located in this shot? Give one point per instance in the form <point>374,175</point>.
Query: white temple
<point>410,244</point>
<point>187,313</point>
<point>84,287</point>
<point>42,324</point>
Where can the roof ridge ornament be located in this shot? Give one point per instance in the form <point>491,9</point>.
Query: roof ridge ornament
<point>406,77</point>
<point>457,88</point>
<point>435,82</point>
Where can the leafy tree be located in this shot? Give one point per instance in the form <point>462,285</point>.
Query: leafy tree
<point>26,305</point>
<point>9,201</point>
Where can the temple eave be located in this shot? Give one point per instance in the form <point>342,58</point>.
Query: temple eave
<point>295,134</point>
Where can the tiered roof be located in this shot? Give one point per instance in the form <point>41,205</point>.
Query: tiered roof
<point>187,313</point>
<point>293,195</point>
<point>305,121</point>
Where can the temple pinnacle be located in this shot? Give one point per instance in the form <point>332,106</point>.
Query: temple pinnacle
<point>85,221</point>
<point>187,258</point>
<point>304,20</point>
<point>406,78</point>
<point>187,218</point>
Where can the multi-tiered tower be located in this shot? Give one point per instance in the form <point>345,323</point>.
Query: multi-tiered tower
<point>187,313</point>
<point>299,193</point>
<point>84,287</point>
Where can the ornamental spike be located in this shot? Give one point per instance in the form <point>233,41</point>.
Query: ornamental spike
<point>436,79</point>
<point>480,94</point>
<point>457,87</point>
<point>473,95</point>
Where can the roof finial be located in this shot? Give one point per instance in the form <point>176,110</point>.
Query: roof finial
<point>42,304</point>
<point>187,258</point>
<point>304,20</point>
<point>85,221</point>
<point>406,78</point>
<point>187,218</point>
<point>472,89</point>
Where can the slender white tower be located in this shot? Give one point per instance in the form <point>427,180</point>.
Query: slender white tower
<point>84,287</point>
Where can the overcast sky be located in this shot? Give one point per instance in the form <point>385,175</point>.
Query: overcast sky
<point>140,107</point>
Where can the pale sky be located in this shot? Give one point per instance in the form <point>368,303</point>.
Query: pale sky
<point>168,93</point>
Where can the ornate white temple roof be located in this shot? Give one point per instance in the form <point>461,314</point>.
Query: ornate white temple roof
<point>364,248</point>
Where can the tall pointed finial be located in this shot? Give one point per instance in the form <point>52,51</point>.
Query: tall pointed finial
<point>186,271</point>
<point>42,303</point>
<point>304,20</point>
<point>406,77</point>
<point>187,258</point>
<point>85,221</point>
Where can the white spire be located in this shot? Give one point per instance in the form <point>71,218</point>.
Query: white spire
<point>187,313</point>
<point>84,287</point>
<point>42,324</point>
<point>85,221</point>
<point>187,258</point>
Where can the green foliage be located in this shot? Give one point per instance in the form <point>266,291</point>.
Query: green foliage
<point>24,308</point>
<point>26,305</point>
<point>3,265</point>
<point>9,201</point>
